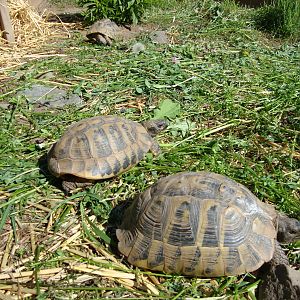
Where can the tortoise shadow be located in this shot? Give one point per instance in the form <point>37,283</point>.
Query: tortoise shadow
<point>114,221</point>
<point>71,17</point>
<point>43,170</point>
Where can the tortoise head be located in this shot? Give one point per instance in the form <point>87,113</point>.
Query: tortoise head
<point>288,229</point>
<point>155,126</point>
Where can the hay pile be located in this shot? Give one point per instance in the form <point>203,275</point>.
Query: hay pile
<point>31,33</point>
<point>29,268</point>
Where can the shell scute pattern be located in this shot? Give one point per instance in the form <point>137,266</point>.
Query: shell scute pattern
<point>99,148</point>
<point>235,227</point>
<point>211,236</point>
<point>102,146</point>
<point>192,263</point>
<point>79,147</point>
<point>181,232</point>
<point>198,224</point>
<point>234,261</point>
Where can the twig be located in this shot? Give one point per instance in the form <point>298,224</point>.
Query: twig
<point>90,269</point>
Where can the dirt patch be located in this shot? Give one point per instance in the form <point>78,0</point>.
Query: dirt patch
<point>56,7</point>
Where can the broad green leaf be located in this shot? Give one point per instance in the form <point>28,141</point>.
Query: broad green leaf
<point>168,109</point>
<point>147,83</point>
<point>181,127</point>
<point>139,90</point>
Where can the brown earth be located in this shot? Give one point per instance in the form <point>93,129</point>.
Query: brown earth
<point>70,7</point>
<point>56,8</point>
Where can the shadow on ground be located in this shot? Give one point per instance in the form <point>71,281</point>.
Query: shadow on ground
<point>43,169</point>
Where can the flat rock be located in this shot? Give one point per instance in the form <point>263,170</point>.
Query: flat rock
<point>159,37</point>
<point>280,282</point>
<point>51,97</point>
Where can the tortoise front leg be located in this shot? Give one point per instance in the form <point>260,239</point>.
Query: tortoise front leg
<point>279,280</point>
<point>108,40</point>
<point>71,183</point>
<point>101,39</point>
<point>155,149</point>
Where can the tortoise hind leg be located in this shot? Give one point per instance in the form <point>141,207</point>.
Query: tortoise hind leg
<point>71,183</point>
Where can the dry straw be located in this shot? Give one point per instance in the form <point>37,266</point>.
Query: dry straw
<point>32,32</point>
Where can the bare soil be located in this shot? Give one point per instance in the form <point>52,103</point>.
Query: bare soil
<point>56,7</point>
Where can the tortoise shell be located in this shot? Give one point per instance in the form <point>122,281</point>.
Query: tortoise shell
<point>105,28</point>
<point>100,147</point>
<point>198,224</point>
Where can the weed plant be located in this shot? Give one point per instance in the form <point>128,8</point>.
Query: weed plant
<point>120,11</point>
<point>281,18</point>
<point>231,96</point>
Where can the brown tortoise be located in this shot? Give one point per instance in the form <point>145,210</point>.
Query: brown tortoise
<point>101,147</point>
<point>103,32</point>
<point>202,224</point>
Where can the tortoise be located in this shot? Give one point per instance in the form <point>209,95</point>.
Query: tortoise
<point>101,147</point>
<point>103,32</point>
<point>202,224</point>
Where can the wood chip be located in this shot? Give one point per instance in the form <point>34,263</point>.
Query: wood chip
<point>18,288</point>
<point>108,256</point>
<point>83,278</point>
<point>70,240</point>
<point>96,259</point>
<point>128,283</point>
<point>154,280</point>
<point>14,275</point>
<point>58,276</point>
<point>90,269</point>
<point>6,297</point>
<point>151,287</point>
<point>32,238</point>
<point>39,206</point>
<point>7,250</point>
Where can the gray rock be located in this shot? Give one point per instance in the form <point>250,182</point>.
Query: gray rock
<point>5,105</point>
<point>138,47</point>
<point>279,282</point>
<point>46,75</point>
<point>51,97</point>
<point>159,37</point>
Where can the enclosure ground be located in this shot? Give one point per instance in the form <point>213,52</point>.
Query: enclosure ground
<point>231,96</point>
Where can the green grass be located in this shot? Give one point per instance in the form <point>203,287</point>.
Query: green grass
<point>280,18</point>
<point>236,93</point>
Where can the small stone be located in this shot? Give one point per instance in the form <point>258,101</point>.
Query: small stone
<point>175,60</point>
<point>138,47</point>
<point>46,75</point>
<point>159,37</point>
<point>5,105</point>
